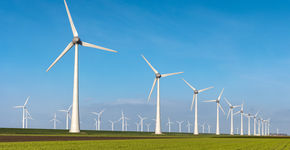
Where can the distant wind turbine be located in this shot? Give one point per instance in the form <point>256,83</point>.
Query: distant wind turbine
<point>67,111</point>
<point>188,125</point>
<point>75,122</point>
<point>208,128</point>
<point>179,125</point>
<point>218,105</point>
<point>148,127</point>
<point>255,123</point>
<point>141,122</point>
<point>157,77</point>
<point>249,116</point>
<point>231,111</point>
<point>112,124</point>
<point>27,116</point>
<point>23,111</point>
<point>195,93</point>
<point>137,126</point>
<point>169,123</point>
<point>242,114</point>
<point>99,114</point>
<point>54,121</point>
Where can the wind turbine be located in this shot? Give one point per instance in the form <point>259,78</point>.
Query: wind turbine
<point>249,123</point>
<point>262,122</point>
<point>208,128</point>
<point>268,121</point>
<point>242,113</point>
<point>195,93</point>
<point>54,121</point>
<point>218,105</point>
<point>23,111</point>
<point>112,124</point>
<point>123,120</point>
<point>231,111</point>
<point>126,123</point>
<point>259,126</point>
<point>137,126</point>
<point>188,125</point>
<point>255,123</point>
<point>141,122</point>
<point>99,114</point>
<point>148,126</point>
<point>202,126</point>
<point>157,77</point>
<point>179,125</point>
<point>75,123</point>
<point>169,125</point>
<point>67,111</point>
<point>96,123</point>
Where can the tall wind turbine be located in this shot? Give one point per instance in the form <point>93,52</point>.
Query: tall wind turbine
<point>96,123</point>
<point>179,125</point>
<point>218,105</point>
<point>99,114</point>
<point>255,123</point>
<point>231,111</point>
<point>169,123</point>
<point>27,116</point>
<point>137,126</point>
<point>195,93</point>
<point>202,126</point>
<point>262,122</point>
<point>126,123</point>
<point>112,124</point>
<point>123,120</point>
<point>54,121</point>
<point>67,112</point>
<point>208,128</point>
<point>259,126</point>
<point>157,77</point>
<point>23,111</point>
<point>242,114</point>
<point>268,129</point>
<point>75,122</point>
<point>141,122</point>
<point>249,116</point>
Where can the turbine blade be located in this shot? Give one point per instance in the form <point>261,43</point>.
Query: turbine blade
<point>170,74</point>
<point>205,89</point>
<point>221,94</point>
<point>62,110</point>
<point>237,112</point>
<point>26,101</point>
<point>228,102</point>
<point>154,70</point>
<point>68,47</point>
<point>194,95</point>
<point>152,89</point>
<point>75,33</point>
<point>208,101</point>
<point>189,85</point>
<point>97,47</point>
<point>228,114</point>
<point>221,108</point>
<point>69,108</point>
<point>18,107</point>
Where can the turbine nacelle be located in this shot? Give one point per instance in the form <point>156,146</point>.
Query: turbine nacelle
<point>195,91</point>
<point>76,40</point>
<point>158,75</point>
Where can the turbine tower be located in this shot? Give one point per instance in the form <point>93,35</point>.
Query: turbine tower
<point>23,111</point>
<point>242,113</point>
<point>218,105</point>
<point>259,126</point>
<point>231,111</point>
<point>54,121</point>
<point>112,124</point>
<point>208,128</point>
<point>249,123</point>
<point>126,123</point>
<point>123,120</point>
<point>27,116</point>
<point>169,123</point>
<point>195,93</point>
<point>141,122</point>
<point>67,112</point>
<point>75,122</point>
<point>158,76</point>
<point>202,126</point>
<point>179,125</point>
<point>148,126</point>
<point>99,114</point>
<point>137,126</point>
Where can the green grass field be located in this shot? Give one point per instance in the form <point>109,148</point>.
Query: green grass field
<point>177,141</point>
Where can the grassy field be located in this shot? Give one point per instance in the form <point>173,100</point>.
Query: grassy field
<point>177,141</point>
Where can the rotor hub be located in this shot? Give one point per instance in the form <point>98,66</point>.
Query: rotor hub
<point>158,75</point>
<point>195,91</point>
<point>76,40</point>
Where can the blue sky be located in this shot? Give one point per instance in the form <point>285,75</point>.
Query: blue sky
<point>242,46</point>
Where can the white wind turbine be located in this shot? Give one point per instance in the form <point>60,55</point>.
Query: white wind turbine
<point>141,122</point>
<point>249,123</point>
<point>169,123</point>
<point>23,111</point>
<point>157,77</point>
<point>259,126</point>
<point>54,121</point>
<point>75,122</point>
<point>208,128</point>
<point>96,123</point>
<point>217,111</point>
<point>188,125</point>
<point>148,126</point>
<point>242,114</point>
<point>179,125</point>
<point>67,112</point>
<point>195,93</point>
<point>99,114</point>
<point>268,122</point>
<point>137,126</point>
<point>126,123</point>
<point>262,122</point>
<point>123,118</point>
<point>231,111</point>
<point>255,123</point>
<point>202,126</point>
<point>112,124</point>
